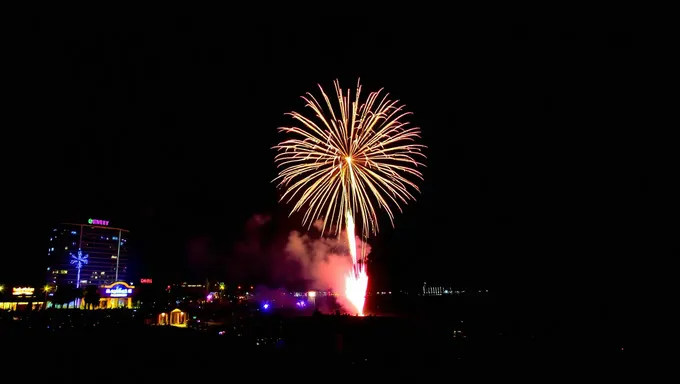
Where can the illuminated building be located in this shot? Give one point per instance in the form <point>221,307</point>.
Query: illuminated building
<point>175,318</point>
<point>93,253</point>
<point>21,298</point>
<point>197,290</point>
<point>116,295</point>
<point>439,290</point>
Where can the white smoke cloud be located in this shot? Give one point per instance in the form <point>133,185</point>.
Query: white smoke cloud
<point>325,261</point>
<point>302,259</point>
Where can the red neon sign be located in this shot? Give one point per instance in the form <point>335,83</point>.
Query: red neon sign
<point>146,281</point>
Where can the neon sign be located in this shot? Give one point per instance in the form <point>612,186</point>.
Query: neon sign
<point>118,291</point>
<point>23,291</point>
<point>79,260</point>
<point>97,222</point>
<point>146,281</point>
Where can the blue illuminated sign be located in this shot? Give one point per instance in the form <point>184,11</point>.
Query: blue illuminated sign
<point>119,290</point>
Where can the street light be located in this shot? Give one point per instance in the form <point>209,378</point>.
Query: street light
<point>47,290</point>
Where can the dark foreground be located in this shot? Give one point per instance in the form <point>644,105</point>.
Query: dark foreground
<point>326,348</point>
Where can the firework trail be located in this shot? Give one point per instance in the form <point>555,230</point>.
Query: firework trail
<point>356,281</point>
<point>345,162</point>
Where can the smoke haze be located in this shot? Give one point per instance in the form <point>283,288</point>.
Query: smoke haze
<point>324,261</point>
<point>298,260</point>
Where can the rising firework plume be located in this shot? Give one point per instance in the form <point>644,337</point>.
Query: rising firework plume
<point>345,162</point>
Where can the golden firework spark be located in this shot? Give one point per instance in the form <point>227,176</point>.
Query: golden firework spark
<point>349,158</point>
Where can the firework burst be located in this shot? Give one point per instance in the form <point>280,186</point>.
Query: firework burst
<point>346,161</point>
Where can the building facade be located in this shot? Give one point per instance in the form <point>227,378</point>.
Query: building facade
<point>116,295</point>
<point>21,298</point>
<point>92,253</point>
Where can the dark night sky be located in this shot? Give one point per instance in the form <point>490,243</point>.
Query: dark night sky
<point>540,167</point>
